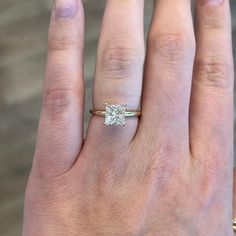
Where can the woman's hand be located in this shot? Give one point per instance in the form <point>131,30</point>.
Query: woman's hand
<point>167,173</point>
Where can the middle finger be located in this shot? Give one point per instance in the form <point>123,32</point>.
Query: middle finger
<point>168,73</point>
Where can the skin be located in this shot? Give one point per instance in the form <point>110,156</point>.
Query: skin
<point>169,172</point>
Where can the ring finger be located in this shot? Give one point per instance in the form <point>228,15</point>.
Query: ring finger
<point>119,71</point>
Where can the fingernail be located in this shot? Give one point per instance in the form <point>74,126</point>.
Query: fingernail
<point>211,2</point>
<point>66,9</point>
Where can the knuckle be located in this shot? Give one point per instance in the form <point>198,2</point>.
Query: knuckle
<point>213,22</point>
<point>213,71</point>
<point>54,189</point>
<point>211,172</point>
<point>119,62</point>
<point>57,101</point>
<point>207,185</point>
<point>162,160</point>
<point>171,46</point>
<point>62,38</point>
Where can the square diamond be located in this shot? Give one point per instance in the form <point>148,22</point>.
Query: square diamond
<point>115,115</point>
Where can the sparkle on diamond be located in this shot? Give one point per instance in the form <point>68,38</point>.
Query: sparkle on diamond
<point>115,115</point>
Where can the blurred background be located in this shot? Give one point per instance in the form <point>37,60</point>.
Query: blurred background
<point>23,41</point>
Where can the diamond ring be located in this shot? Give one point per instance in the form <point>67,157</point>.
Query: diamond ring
<point>115,114</point>
<point>234,224</point>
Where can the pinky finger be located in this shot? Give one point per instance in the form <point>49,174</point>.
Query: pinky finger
<point>234,194</point>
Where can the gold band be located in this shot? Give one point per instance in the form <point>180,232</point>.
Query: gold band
<point>234,224</point>
<point>127,113</point>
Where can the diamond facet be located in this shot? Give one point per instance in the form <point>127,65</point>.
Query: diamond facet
<point>115,115</point>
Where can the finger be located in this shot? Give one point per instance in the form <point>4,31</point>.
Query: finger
<point>211,120</point>
<point>168,73</point>
<point>60,133</point>
<point>234,194</point>
<point>119,70</point>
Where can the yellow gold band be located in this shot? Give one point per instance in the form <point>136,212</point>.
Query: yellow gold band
<point>127,113</point>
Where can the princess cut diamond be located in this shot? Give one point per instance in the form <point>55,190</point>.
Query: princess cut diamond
<point>115,115</point>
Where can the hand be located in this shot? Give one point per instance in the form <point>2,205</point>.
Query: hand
<point>167,173</point>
